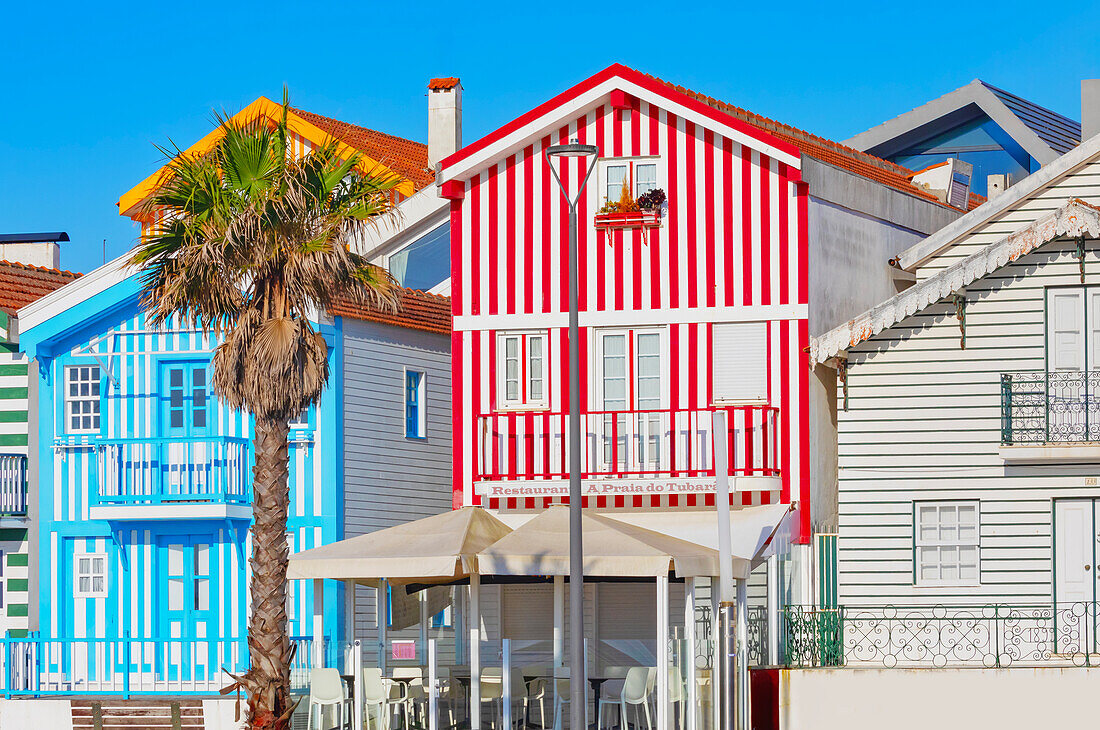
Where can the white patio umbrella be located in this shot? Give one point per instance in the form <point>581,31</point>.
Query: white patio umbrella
<point>436,549</point>
<point>611,549</point>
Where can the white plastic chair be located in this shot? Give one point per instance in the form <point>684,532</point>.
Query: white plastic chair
<point>384,696</point>
<point>538,692</point>
<point>326,689</point>
<point>676,696</point>
<point>636,690</point>
<point>416,697</point>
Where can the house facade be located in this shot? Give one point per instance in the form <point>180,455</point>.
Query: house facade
<point>706,302</point>
<point>142,485</point>
<point>1001,137</point>
<point>967,437</point>
<point>20,284</point>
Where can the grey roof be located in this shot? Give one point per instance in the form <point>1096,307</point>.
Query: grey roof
<point>1061,133</point>
<point>53,237</point>
<point>1044,134</point>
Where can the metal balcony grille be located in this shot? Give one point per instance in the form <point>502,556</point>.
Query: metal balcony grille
<point>1062,406</point>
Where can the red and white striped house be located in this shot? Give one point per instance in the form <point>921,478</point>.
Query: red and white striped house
<point>699,305</point>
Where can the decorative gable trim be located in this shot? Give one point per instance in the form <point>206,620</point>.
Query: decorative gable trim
<point>1075,219</point>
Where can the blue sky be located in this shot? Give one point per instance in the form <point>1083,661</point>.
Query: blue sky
<point>88,88</point>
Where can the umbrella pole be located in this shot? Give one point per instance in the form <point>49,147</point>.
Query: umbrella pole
<point>475,651</point>
<point>727,606</point>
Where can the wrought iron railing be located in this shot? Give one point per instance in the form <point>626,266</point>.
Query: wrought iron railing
<point>1060,406</point>
<point>939,636</point>
<point>162,470</point>
<point>653,443</point>
<point>13,484</point>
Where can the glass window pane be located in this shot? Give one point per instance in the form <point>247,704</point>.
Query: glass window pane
<point>199,418</point>
<point>85,565</point>
<point>175,377</point>
<point>198,399</point>
<point>97,584</point>
<point>615,175</point>
<point>176,419</point>
<point>425,262</point>
<point>645,176</point>
<point>175,594</point>
<point>85,584</point>
<point>202,559</point>
<point>614,345</point>
<point>198,378</point>
<point>175,559</point>
<point>202,594</point>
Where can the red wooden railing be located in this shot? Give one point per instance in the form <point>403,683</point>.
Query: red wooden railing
<point>656,443</point>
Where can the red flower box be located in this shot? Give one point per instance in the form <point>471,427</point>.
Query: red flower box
<point>645,218</point>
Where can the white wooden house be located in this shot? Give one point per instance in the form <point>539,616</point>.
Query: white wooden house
<point>969,436</point>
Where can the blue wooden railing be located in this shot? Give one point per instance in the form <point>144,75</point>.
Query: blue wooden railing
<point>173,469</point>
<point>41,666</point>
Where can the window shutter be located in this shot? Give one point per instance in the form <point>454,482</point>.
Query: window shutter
<point>740,359</point>
<point>1065,330</point>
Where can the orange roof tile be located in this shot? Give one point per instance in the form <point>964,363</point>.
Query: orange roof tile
<point>21,284</point>
<point>825,150</point>
<point>405,157</point>
<point>447,82</point>
<point>416,310</point>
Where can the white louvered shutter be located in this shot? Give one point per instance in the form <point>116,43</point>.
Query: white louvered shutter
<point>740,352</point>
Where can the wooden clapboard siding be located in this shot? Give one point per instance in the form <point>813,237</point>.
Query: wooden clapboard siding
<point>1083,183</point>
<point>390,479</point>
<point>103,714</point>
<point>923,422</point>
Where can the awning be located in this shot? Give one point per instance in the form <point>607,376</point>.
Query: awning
<point>434,549</point>
<point>752,529</point>
<point>611,548</point>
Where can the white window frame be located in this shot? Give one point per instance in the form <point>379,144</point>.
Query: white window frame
<point>760,399</point>
<point>91,592</point>
<point>524,401</point>
<point>605,162</point>
<point>631,334</point>
<point>421,395</point>
<point>69,400</point>
<point>920,544</point>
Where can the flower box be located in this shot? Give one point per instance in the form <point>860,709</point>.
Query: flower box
<point>645,218</point>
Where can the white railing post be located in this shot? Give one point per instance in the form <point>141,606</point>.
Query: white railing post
<point>433,685</point>
<point>357,681</point>
<point>318,623</point>
<point>506,682</point>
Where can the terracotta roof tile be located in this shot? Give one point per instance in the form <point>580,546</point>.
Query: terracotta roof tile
<point>820,148</point>
<point>417,310</point>
<point>405,157</point>
<point>447,82</point>
<point>21,284</point>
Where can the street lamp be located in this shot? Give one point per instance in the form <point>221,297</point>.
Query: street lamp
<point>577,698</point>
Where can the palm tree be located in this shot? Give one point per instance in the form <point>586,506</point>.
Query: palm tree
<point>249,242</point>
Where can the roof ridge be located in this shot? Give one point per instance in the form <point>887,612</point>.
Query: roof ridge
<point>44,269</point>
<point>786,128</point>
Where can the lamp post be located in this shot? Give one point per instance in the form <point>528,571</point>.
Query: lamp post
<point>578,710</point>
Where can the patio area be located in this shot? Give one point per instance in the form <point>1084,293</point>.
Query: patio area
<point>486,597</point>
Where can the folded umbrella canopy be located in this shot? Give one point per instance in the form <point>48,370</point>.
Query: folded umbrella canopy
<point>611,549</point>
<point>435,549</point>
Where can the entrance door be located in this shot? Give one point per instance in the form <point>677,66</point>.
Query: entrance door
<point>185,419</point>
<point>188,595</point>
<point>1073,356</point>
<point>1076,568</point>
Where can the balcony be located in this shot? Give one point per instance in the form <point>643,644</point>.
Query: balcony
<point>1050,416</point>
<point>13,485</point>
<point>635,453</point>
<point>172,478</point>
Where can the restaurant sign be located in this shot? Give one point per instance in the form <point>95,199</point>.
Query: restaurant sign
<point>597,487</point>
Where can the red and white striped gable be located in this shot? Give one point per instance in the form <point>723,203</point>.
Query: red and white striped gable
<point>731,247</point>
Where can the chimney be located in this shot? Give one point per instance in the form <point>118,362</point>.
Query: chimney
<point>34,249</point>
<point>1090,108</point>
<point>444,118</point>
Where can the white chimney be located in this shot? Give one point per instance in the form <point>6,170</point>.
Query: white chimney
<point>444,118</point>
<point>1090,108</point>
<point>34,249</point>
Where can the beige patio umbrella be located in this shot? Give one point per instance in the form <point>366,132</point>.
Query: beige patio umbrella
<point>435,549</point>
<point>611,549</point>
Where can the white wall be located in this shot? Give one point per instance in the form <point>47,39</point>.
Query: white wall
<point>919,699</point>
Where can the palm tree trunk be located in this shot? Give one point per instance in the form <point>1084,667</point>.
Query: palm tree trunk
<point>268,680</point>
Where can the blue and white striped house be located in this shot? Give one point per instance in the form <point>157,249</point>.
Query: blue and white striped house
<point>142,485</point>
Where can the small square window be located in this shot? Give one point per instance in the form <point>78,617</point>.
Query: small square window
<point>946,535</point>
<point>90,576</point>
